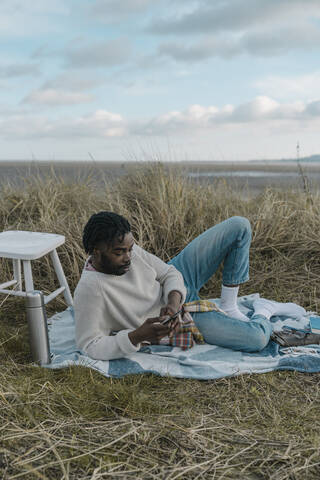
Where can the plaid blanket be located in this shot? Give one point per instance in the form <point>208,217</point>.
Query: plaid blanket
<point>188,334</point>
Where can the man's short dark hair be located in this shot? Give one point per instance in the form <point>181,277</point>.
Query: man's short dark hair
<point>104,227</point>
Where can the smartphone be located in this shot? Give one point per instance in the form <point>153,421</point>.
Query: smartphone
<point>173,317</point>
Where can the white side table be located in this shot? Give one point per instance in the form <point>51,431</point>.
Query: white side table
<point>22,246</point>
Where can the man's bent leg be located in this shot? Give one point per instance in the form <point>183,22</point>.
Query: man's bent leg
<point>224,331</point>
<point>227,242</point>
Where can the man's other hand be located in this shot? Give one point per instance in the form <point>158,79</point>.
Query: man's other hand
<point>168,310</point>
<point>151,330</point>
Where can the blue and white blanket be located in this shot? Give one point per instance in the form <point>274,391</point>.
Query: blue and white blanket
<point>201,362</point>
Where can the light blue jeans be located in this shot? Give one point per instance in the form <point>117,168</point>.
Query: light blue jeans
<point>227,242</point>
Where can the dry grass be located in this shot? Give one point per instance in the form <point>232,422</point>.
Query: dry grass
<point>76,424</point>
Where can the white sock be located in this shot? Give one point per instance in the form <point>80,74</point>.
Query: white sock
<point>228,302</point>
<point>269,308</point>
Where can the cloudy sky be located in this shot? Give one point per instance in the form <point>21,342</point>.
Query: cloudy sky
<point>172,79</point>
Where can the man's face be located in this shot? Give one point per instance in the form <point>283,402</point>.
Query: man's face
<point>114,258</point>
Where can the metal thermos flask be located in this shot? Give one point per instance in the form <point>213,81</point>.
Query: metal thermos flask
<point>38,328</point>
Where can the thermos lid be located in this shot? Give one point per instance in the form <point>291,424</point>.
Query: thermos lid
<point>34,299</point>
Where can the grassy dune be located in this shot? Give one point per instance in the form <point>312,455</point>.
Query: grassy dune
<point>76,424</point>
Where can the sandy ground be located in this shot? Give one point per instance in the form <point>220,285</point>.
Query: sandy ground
<point>252,177</point>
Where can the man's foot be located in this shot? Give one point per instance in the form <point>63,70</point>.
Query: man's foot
<point>269,308</point>
<point>228,302</point>
<point>295,338</point>
<point>235,313</point>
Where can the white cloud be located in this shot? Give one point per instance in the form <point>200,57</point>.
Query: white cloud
<point>298,36</point>
<point>50,96</point>
<point>305,87</point>
<point>262,110</point>
<point>110,10</point>
<point>226,28</point>
<point>100,124</point>
<point>19,18</point>
<point>71,81</point>
<point>259,108</point>
<point>35,7</point>
<point>98,54</point>
<point>197,52</point>
<point>207,16</point>
<point>85,53</point>
<point>255,42</point>
<point>313,108</point>
<point>19,70</point>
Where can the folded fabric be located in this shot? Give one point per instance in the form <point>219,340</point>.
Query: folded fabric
<point>294,338</point>
<point>188,334</point>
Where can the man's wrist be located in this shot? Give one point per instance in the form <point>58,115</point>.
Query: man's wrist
<point>175,298</point>
<point>134,337</point>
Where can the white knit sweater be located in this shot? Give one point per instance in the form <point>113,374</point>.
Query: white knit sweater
<point>105,303</point>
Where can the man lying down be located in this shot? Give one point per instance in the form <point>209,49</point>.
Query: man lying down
<point>126,296</point>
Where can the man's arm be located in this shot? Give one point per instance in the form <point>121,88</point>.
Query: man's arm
<point>168,276</point>
<point>173,305</point>
<point>111,347</point>
<point>125,342</point>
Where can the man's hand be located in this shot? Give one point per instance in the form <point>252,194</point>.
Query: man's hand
<point>151,330</point>
<point>174,326</point>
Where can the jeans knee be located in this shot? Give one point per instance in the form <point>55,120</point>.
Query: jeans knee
<point>259,341</point>
<point>241,223</point>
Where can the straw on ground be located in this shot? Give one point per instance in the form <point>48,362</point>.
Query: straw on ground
<point>77,424</point>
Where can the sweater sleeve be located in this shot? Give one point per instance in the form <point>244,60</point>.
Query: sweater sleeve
<point>167,275</point>
<point>105,347</point>
<point>93,336</point>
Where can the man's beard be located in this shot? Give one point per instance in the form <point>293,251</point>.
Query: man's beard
<point>111,269</point>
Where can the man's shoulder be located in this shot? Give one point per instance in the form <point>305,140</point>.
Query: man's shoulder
<point>151,261</point>
<point>141,252</point>
<point>89,280</point>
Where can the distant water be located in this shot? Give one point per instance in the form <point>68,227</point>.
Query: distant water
<point>255,181</point>
<point>245,173</point>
